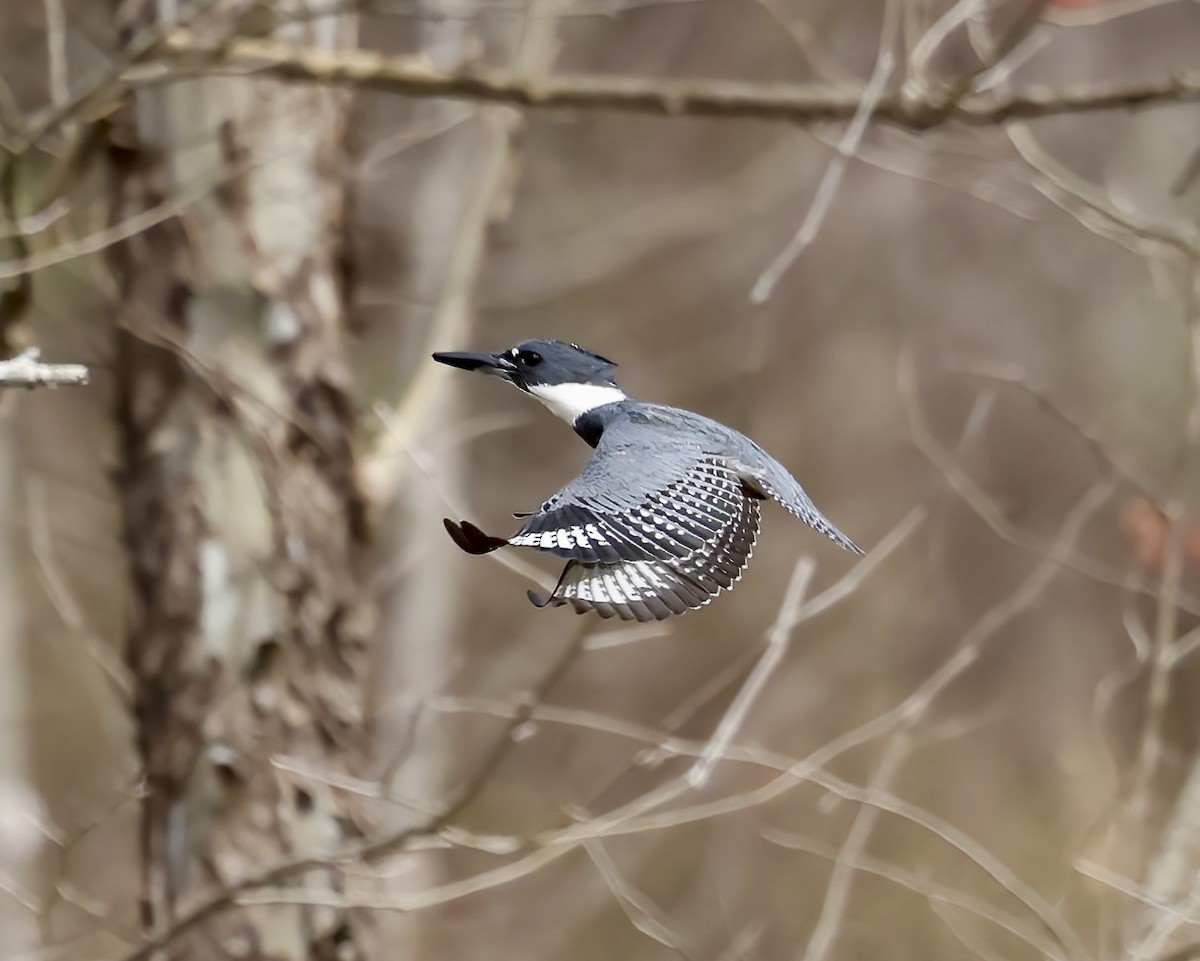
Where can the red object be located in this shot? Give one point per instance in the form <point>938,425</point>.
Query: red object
<point>1146,529</point>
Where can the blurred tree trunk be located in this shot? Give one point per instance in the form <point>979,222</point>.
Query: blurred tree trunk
<point>467,180</point>
<point>18,853</point>
<point>245,528</point>
<point>422,611</point>
<point>448,235</point>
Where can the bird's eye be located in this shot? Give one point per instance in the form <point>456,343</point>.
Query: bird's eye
<point>529,358</point>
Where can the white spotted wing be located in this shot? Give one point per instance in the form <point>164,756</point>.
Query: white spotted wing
<point>648,553</point>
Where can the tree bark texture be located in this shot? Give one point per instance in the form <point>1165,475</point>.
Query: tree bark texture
<point>244,523</point>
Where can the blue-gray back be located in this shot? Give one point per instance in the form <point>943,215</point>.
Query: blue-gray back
<point>647,450</point>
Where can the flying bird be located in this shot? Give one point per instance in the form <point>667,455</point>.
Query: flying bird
<point>665,514</point>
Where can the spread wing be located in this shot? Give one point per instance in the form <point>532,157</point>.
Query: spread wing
<point>646,590</point>
<point>667,506</point>
<point>651,528</point>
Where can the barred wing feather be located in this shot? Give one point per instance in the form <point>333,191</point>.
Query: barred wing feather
<point>671,523</point>
<point>646,590</point>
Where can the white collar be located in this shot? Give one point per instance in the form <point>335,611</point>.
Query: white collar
<point>572,401</point>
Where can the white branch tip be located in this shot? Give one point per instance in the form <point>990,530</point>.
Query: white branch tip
<point>27,370</point>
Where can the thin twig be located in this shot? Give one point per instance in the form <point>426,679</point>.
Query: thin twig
<point>918,704</point>
<point>144,220</point>
<point>837,892</point>
<point>964,175</point>
<point>263,886</point>
<point>69,608</point>
<point>1150,747</point>
<point>548,846</point>
<point>1077,196</point>
<point>638,814</point>
<point>1127,886</point>
<point>1017,376</point>
<point>382,467</point>
<point>970,939</point>
<point>1155,941</point>
<point>29,225</point>
<point>936,894</point>
<point>1186,646</point>
<point>1001,58</point>
<point>990,512</point>
<point>940,30</point>
<point>804,770</point>
<point>642,912</point>
<point>845,586</point>
<point>56,52</point>
<point>885,64</point>
<point>778,638</point>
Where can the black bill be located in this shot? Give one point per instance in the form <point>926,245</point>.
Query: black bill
<point>484,363</point>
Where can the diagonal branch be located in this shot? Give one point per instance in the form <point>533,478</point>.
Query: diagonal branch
<point>778,642</point>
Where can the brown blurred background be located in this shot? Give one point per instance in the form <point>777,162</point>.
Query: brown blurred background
<point>255,704</point>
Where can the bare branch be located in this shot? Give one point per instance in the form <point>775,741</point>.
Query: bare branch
<point>990,512</point>
<point>1080,198</point>
<point>416,900</point>
<point>168,209</point>
<point>56,48</point>
<point>1126,886</point>
<point>1017,376</point>
<point>71,610</point>
<point>1155,942</point>
<point>837,892</point>
<point>642,912</point>
<point>827,189</point>
<point>250,888</point>
<point>97,98</point>
<point>184,55</point>
<point>26,370</point>
<point>787,766</point>
<point>972,940</point>
<point>918,883</point>
<point>1185,646</point>
<point>1151,746</point>
<point>967,176</point>
<point>847,585</point>
<point>932,39</point>
<point>455,305</point>
<point>777,646</point>
<point>917,705</point>
<point>1171,883</point>
<point>34,223</point>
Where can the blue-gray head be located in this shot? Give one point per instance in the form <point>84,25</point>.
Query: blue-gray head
<point>566,378</point>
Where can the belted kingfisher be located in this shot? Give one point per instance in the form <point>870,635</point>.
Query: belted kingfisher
<point>665,514</point>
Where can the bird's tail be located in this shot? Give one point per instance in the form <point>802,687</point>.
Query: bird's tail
<point>471,539</point>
